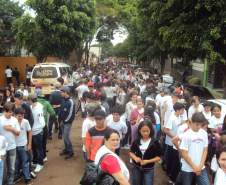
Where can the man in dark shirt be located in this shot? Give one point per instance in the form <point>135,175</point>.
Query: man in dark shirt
<point>67,115</point>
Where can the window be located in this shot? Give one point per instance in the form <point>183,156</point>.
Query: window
<point>45,72</point>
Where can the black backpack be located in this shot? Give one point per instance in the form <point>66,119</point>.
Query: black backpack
<point>93,175</point>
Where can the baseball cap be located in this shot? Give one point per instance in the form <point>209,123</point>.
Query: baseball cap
<point>66,89</point>
<point>99,114</point>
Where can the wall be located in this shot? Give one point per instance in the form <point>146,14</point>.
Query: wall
<point>20,63</point>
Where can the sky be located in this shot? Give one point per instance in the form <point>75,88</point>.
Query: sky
<point>118,37</point>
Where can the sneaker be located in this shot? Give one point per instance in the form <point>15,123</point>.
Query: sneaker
<point>69,156</point>
<point>28,182</point>
<point>17,179</point>
<point>33,175</point>
<point>45,159</point>
<point>63,153</point>
<point>38,168</point>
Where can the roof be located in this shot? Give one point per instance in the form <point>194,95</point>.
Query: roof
<point>52,64</point>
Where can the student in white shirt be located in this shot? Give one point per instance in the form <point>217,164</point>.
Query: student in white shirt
<point>23,145</point>
<point>207,110</point>
<point>117,124</point>
<point>37,133</point>
<point>171,129</point>
<point>88,123</point>
<point>217,119</point>
<point>220,177</point>
<point>3,145</point>
<point>193,148</point>
<point>195,107</point>
<point>8,74</point>
<point>9,128</point>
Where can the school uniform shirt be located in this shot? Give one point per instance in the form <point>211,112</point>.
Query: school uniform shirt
<point>194,143</point>
<point>25,127</point>
<point>220,177</point>
<point>119,126</point>
<point>207,115</point>
<point>193,110</point>
<point>9,73</point>
<point>3,145</point>
<point>81,89</point>
<point>173,124</point>
<point>9,136</point>
<point>215,122</point>
<point>39,121</point>
<point>87,124</point>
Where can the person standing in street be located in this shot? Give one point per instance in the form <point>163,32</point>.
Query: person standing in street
<point>16,75</point>
<point>8,74</point>
<point>67,115</point>
<point>9,128</point>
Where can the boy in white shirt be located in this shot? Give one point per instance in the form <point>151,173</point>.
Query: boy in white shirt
<point>193,148</point>
<point>170,129</point>
<point>116,123</point>
<point>23,145</point>
<point>37,133</point>
<point>3,146</point>
<point>10,128</point>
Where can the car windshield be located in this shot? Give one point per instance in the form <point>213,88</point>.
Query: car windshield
<point>45,72</point>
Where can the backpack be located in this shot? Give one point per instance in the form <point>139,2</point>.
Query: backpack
<point>93,175</point>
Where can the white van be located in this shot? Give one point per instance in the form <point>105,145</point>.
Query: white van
<point>46,74</point>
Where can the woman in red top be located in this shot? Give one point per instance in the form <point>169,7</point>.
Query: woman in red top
<point>111,163</point>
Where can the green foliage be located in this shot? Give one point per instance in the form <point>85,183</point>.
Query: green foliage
<point>9,11</point>
<point>59,26</point>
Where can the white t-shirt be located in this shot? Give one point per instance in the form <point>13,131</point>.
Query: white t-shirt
<point>3,145</point>
<point>193,110</point>
<point>129,108</point>
<point>159,99</point>
<point>9,136</point>
<point>81,89</point>
<point>144,145</point>
<point>194,143</point>
<point>21,140</point>
<point>119,126</point>
<point>207,114</point>
<point>157,118</point>
<point>220,178</point>
<point>39,121</point>
<point>8,73</point>
<point>86,125</point>
<point>110,91</point>
<point>169,109</point>
<point>216,122</point>
<point>173,124</point>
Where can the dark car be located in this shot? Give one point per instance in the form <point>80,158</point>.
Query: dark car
<point>202,92</point>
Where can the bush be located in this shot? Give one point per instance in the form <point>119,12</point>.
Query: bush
<point>194,81</point>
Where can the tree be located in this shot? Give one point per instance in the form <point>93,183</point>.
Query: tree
<point>9,11</point>
<point>59,27</point>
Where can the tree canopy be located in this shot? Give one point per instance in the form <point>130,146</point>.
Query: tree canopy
<point>9,11</point>
<point>58,27</point>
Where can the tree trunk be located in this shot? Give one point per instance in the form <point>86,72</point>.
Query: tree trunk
<point>162,63</point>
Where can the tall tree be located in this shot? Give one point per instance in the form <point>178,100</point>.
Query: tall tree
<point>59,27</point>
<point>9,11</point>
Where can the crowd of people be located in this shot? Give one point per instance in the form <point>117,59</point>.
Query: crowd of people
<point>123,109</point>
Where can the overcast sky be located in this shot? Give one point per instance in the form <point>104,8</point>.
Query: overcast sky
<point>118,37</point>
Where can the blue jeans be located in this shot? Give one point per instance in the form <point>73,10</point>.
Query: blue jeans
<point>1,170</point>
<point>37,148</point>
<point>67,141</point>
<point>142,177</point>
<point>11,160</point>
<point>22,162</point>
<point>187,178</point>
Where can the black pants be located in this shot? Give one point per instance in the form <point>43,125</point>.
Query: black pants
<point>175,165</point>
<point>44,141</point>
